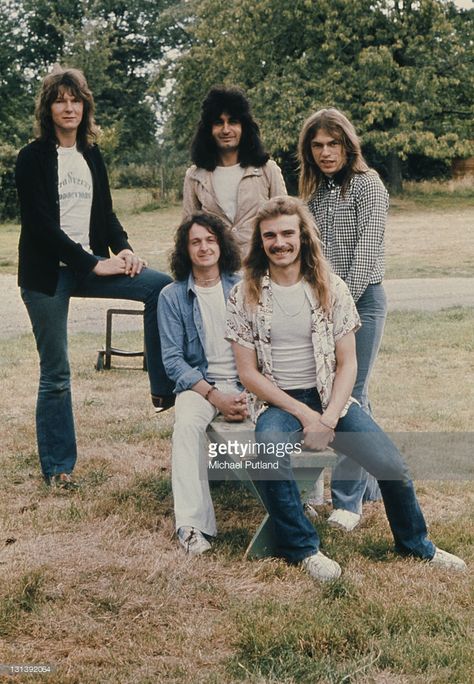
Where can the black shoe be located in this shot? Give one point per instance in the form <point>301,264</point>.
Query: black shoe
<point>63,481</point>
<point>163,403</point>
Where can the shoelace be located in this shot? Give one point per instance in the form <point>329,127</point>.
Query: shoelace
<point>189,539</point>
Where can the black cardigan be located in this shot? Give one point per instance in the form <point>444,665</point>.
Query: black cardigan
<point>43,245</point>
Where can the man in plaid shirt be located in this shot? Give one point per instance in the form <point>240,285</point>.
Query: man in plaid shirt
<point>349,203</point>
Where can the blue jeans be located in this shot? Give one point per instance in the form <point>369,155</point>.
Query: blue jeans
<point>358,436</point>
<point>350,483</point>
<point>48,314</point>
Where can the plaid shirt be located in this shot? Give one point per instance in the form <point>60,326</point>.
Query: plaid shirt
<point>352,228</point>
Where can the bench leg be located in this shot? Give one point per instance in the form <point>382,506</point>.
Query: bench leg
<point>313,491</point>
<point>263,543</point>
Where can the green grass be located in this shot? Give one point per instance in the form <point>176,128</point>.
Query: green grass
<point>324,640</point>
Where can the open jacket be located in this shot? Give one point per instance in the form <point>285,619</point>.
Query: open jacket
<point>43,245</point>
<point>251,328</point>
<point>257,185</point>
<point>182,331</point>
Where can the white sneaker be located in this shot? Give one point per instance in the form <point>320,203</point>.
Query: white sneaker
<point>344,520</point>
<point>320,567</point>
<point>310,510</point>
<point>448,561</point>
<point>192,540</point>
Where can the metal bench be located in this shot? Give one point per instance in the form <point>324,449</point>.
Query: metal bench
<point>308,470</point>
<point>104,358</point>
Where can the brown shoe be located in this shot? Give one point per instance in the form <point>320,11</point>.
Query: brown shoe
<point>63,481</point>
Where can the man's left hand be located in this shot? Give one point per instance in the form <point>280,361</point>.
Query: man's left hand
<point>317,436</point>
<point>133,263</point>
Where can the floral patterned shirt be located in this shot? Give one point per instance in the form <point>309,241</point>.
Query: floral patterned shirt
<point>251,328</point>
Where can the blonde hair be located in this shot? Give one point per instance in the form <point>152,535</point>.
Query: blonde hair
<point>336,124</point>
<point>314,267</point>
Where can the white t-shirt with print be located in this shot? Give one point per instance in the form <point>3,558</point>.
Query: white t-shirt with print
<point>75,195</point>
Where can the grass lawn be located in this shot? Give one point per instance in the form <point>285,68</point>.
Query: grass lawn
<point>430,233</point>
<point>94,584</point>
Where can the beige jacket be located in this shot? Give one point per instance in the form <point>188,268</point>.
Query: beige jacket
<point>256,186</point>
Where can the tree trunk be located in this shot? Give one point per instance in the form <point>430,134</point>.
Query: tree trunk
<point>394,170</point>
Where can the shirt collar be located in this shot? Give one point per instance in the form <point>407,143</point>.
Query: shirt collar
<point>337,179</point>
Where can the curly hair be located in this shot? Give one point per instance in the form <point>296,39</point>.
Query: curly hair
<point>70,80</point>
<point>314,267</point>
<point>180,263</point>
<point>232,101</point>
<point>334,123</point>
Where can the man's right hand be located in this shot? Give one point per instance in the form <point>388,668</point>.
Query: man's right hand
<point>232,406</point>
<point>115,265</point>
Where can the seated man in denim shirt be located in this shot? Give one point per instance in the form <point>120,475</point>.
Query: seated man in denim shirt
<point>197,358</point>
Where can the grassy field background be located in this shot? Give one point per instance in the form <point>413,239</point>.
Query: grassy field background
<point>93,582</point>
<point>430,230</point>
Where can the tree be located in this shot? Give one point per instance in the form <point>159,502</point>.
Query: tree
<point>116,43</point>
<point>13,84</point>
<point>401,70</point>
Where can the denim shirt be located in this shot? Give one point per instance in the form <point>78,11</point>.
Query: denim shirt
<point>182,331</point>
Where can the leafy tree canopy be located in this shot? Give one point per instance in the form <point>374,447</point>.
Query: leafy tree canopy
<point>401,70</point>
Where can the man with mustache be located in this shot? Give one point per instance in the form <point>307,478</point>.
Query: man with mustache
<point>292,324</point>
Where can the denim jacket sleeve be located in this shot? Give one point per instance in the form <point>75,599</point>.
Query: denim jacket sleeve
<point>173,343</point>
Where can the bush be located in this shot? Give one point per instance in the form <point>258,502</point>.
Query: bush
<point>9,209</point>
<point>134,176</point>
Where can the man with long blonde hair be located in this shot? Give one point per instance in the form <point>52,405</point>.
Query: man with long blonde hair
<point>292,325</point>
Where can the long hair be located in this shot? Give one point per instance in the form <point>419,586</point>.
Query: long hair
<point>229,260</point>
<point>314,267</point>
<point>232,101</point>
<point>333,122</point>
<point>73,81</point>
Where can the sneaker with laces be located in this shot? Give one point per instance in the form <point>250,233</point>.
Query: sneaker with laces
<point>310,510</point>
<point>320,567</point>
<point>448,561</point>
<point>344,520</point>
<point>63,481</point>
<point>192,540</point>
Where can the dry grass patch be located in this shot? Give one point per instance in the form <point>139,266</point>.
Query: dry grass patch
<point>93,582</point>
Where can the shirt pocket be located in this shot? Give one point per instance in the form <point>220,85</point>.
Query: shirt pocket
<point>192,345</point>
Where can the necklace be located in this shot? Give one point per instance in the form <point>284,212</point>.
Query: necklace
<point>204,281</point>
<point>291,314</point>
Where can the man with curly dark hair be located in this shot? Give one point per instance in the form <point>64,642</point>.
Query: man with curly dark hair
<point>232,174</point>
<point>68,227</point>
<point>191,319</point>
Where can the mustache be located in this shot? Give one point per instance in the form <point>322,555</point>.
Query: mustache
<point>277,250</point>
